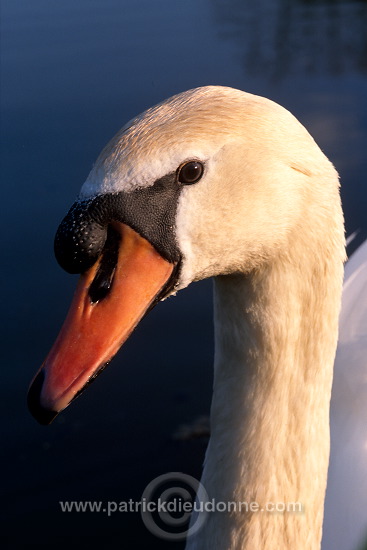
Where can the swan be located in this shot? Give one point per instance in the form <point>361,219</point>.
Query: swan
<point>216,182</point>
<point>345,524</point>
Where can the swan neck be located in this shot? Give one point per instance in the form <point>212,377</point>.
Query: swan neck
<point>275,335</point>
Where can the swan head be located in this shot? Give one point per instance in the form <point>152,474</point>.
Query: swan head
<point>210,182</point>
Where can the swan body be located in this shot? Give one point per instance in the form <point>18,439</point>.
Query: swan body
<point>215,182</point>
<point>345,524</point>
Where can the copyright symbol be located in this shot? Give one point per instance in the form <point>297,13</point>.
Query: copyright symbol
<point>173,506</point>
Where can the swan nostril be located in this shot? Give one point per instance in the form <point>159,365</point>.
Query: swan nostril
<point>103,280</point>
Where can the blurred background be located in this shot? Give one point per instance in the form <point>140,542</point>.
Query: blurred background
<point>72,73</point>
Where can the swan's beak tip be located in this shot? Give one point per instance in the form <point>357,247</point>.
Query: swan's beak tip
<point>43,415</point>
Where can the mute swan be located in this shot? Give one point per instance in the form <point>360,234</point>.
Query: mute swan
<point>345,524</point>
<point>218,182</point>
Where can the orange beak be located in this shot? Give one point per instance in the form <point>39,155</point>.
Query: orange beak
<point>104,311</point>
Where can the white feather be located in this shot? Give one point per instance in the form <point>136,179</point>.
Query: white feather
<point>345,524</point>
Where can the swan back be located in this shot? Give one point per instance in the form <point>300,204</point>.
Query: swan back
<point>345,523</point>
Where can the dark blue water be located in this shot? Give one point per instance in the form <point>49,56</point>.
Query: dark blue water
<point>72,73</point>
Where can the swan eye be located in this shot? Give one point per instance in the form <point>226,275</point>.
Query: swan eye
<point>190,172</point>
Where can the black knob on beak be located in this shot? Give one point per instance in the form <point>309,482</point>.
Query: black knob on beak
<point>81,236</point>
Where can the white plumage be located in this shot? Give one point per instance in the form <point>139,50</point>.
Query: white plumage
<point>345,523</point>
